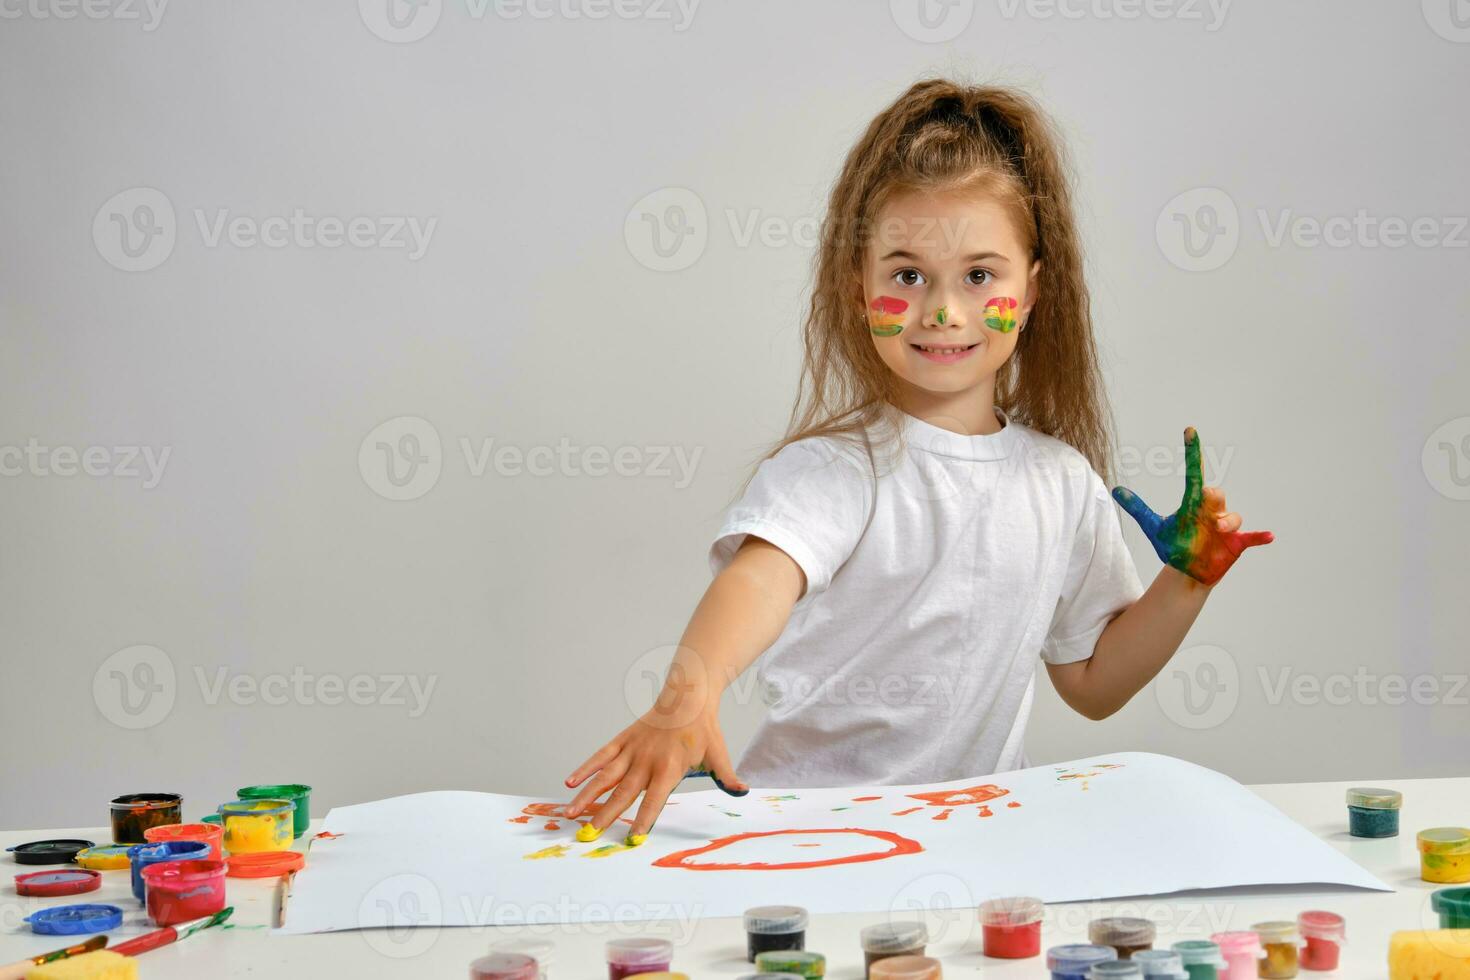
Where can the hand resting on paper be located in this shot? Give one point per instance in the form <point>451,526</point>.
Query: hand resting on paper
<point>742,613</point>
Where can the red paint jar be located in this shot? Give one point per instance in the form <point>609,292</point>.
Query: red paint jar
<point>209,833</point>
<point>1011,927</point>
<point>178,891</point>
<point>1324,933</point>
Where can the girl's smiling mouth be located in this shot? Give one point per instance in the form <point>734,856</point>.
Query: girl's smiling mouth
<point>944,353</point>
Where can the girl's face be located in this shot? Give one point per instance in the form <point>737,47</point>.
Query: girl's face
<point>947,287</point>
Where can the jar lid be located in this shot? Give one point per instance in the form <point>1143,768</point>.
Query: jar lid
<point>110,857</point>
<point>543,951</point>
<point>1121,930</point>
<point>146,801</point>
<point>264,864</point>
<point>1444,840</point>
<point>181,831</point>
<point>1161,963</point>
<point>1375,798</point>
<point>504,966</point>
<point>1322,925</point>
<point>1017,911</point>
<point>636,952</point>
<point>49,884</point>
<point>256,808</point>
<point>1239,942</point>
<point>190,871</point>
<point>775,919</point>
<point>1455,901</point>
<point>73,920</point>
<point>60,850</point>
<point>802,962</point>
<point>1077,957</point>
<point>905,968</point>
<point>284,791</point>
<point>1199,952</point>
<point>893,937</point>
<point>1276,931</point>
<point>1114,970</point>
<point>168,850</point>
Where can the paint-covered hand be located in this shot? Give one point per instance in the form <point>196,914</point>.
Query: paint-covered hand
<point>651,758</point>
<point>1202,539</point>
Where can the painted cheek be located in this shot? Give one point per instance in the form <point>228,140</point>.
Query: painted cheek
<point>885,316</point>
<point>1000,314</point>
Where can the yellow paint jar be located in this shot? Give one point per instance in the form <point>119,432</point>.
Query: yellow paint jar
<point>252,826</point>
<point>1444,855</point>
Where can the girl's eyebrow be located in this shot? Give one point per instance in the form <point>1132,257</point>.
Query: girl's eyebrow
<point>899,253</point>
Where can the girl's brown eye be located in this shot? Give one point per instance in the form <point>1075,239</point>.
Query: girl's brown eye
<point>908,277</point>
<point>984,273</point>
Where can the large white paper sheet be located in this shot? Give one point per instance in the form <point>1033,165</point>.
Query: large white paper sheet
<point>1110,826</point>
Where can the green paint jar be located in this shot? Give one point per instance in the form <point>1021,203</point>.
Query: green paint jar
<point>1202,959</point>
<point>295,792</point>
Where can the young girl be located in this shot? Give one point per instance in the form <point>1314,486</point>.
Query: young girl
<point>934,519</point>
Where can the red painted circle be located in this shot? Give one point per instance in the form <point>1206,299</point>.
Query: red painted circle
<point>680,859</point>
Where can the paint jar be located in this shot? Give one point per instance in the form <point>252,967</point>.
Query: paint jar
<point>209,833</point>
<point>179,891</point>
<point>252,826</point>
<point>1444,855</point>
<point>906,968</point>
<point>1279,941</point>
<point>142,855</point>
<point>659,976</point>
<point>295,792</point>
<point>1324,933</point>
<point>768,976</point>
<point>133,814</point>
<point>1011,927</point>
<point>1241,951</point>
<point>892,939</point>
<point>1373,812</point>
<point>802,962</point>
<point>1453,906</point>
<point>504,966</point>
<point>1071,962</point>
<point>1164,964</point>
<point>543,951</point>
<point>1202,959</point>
<point>1114,970</point>
<point>629,957</point>
<point>774,927</point>
<point>1125,933</point>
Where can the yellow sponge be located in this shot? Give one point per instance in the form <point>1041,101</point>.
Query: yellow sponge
<point>103,964</point>
<point>1429,954</point>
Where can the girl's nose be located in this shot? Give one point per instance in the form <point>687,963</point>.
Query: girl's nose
<point>944,315</point>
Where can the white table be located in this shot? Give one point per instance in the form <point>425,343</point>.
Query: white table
<point>715,948</point>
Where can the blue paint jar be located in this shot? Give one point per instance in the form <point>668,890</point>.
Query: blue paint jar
<point>1071,962</point>
<point>142,855</point>
<point>1373,812</point>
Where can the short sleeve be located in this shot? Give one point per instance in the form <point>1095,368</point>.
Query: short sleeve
<point>811,500</point>
<point>1101,580</point>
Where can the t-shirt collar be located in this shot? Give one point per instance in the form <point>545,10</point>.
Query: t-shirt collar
<point>942,442</point>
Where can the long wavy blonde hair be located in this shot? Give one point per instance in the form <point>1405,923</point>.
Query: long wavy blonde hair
<point>944,136</point>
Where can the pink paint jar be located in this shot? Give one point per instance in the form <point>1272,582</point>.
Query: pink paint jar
<point>630,957</point>
<point>504,966</point>
<point>1011,927</point>
<point>1241,951</point>
<point>179,891</point>
<point>209,833</point>
<point>1323,933</point>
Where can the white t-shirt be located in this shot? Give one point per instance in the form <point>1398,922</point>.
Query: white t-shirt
<point>911,657</point>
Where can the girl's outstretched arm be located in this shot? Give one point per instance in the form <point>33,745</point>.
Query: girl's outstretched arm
<point>742,613</point>
<point>1198,544</point>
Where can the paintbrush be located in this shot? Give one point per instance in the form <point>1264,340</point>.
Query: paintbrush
<point>287,880</point>
<point>16,971</point>
<point>171,934</point>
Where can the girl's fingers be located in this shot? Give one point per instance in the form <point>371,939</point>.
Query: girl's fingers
<point>1228,523</point>
<point>594,762</point>
<point>621,799</point>
<point>717,758</point>
<point>654,799</point>
<point>1249,539</point>
<point>1214,501</point>
<point>604,780</point>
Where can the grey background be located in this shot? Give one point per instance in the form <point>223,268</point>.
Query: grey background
<point>1332,379</point>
